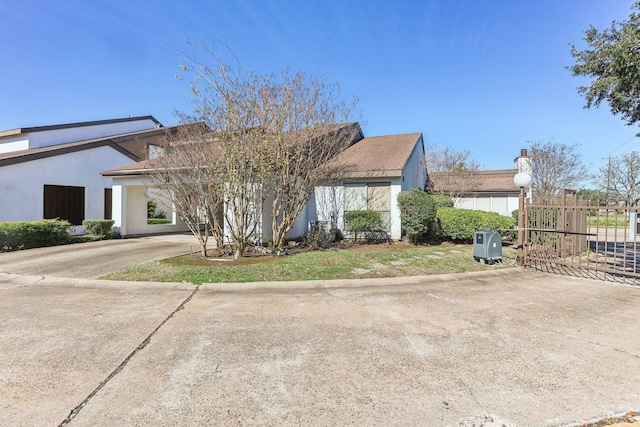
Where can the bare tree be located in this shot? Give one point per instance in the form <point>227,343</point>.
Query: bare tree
<point>187,174</point>
<point>450,172</point>
<point>554,167</point>
<point>619,180</point>
<point>304,159</point>
<point>276,134</point>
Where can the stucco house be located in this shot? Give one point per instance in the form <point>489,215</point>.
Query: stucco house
<point>379,169</point>
<point>492,190</point>
<point>54,171</point>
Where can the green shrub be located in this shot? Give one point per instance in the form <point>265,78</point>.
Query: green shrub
<point>460,224</point>
<point>417,213</point>
<point>154,212</point>
<point>26,235</point>
<point>362,222</point>
<point>442,201</point>
<point>99,227</point>
<point>514,214</point>
<point>158,221</point>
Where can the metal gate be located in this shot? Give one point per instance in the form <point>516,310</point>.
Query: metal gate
<point>570,237</point>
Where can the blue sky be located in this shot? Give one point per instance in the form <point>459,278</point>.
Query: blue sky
<point>484,75</point>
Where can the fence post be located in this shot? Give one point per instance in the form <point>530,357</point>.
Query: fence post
<point>521,221</point>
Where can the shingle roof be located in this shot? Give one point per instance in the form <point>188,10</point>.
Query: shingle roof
<point>379,155</point>
<point>488,181</point>
<point>19,131</point>
<point>351,130</point>
<point>139,168</point>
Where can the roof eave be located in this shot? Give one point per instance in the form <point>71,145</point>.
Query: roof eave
<point>391,173</point>
<point>32,155</point>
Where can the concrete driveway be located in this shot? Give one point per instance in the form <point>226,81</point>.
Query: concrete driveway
<point>95,259</point>
<point>528,348</point>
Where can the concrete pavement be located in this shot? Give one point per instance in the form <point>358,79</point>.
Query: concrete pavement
<point>529,348</point>
<point>95,259</point>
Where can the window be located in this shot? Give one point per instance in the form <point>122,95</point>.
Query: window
<point>372,196</point>
<point>64,202</point>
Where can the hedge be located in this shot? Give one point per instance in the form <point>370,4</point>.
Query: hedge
<point>158,221</point>
<point>26,235</point>
<point>99,227</point>
<point>460,224</point>
<point>417,213</point>
<point>362,221</point>
<point>442,201</point>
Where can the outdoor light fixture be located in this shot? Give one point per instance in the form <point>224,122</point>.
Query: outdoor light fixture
<point>522,179</point>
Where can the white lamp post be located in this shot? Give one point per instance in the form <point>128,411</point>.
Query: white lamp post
<point>522,180</point>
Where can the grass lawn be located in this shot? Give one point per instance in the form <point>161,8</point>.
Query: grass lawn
<point>359,261</point>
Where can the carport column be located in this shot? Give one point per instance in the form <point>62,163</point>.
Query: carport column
<point>119,208</point>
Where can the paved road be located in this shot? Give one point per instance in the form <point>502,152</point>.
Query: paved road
<point>531,349</point>
<point>95,259</point>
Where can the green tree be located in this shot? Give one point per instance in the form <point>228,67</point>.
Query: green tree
<point>593,197</point>
<point>612,61</point>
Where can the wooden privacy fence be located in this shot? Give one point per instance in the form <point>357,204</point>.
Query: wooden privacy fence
<point>570,237</point>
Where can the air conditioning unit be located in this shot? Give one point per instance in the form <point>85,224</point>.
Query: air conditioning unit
<point>487,246</point>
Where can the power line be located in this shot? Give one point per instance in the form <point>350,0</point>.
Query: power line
<point>623,144</point>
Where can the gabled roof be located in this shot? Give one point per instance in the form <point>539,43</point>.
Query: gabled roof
<point>379,156</point>
<point>133,145</point>
<point>487,181</point>
<point>19,131</point>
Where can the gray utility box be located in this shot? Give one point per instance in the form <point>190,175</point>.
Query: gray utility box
<point>487,246</point>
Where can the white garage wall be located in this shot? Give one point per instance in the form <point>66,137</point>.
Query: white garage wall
<point>22,184</point>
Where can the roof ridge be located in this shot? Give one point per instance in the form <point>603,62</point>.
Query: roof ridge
<point>23,130</point>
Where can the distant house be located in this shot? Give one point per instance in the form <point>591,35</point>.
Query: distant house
<point>494,192</point>
<point>378,169</point>
<point>491,190</point>
<point>54,171</point>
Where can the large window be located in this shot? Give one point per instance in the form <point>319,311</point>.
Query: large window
<point>64,202</point>
<point>372,196</point>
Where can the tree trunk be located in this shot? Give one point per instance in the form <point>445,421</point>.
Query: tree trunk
<point>203,249</point>
<point>239,251</point>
